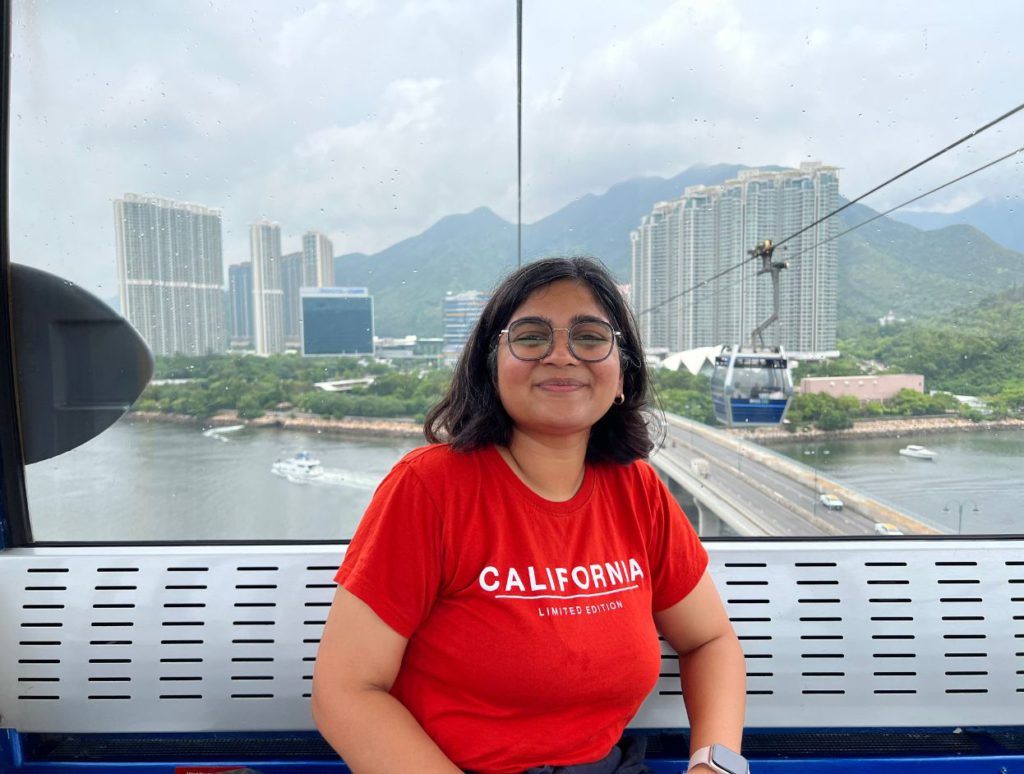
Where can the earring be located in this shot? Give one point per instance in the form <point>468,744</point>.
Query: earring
<point>619,399</point>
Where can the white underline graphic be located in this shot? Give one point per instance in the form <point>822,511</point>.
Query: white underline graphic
<point>570,596</point>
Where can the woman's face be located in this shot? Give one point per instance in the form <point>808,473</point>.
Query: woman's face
<point>559,395</point>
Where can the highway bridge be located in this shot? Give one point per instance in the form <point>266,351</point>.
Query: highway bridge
<point>742,488</point>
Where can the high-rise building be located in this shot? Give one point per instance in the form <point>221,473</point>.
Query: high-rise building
<point>267,295</point>
<point>317,260</point>
<point>240,304</point>
<point>337,321</point>
<point>292,279</point>
<point>461,311</point>
<point>170,273</point>
<point>693,284</point>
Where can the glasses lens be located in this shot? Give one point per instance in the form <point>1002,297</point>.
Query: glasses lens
<point>591,340</point>
<point>530,339</point>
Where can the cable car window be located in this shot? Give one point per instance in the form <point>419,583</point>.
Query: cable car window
<point>301,211</point>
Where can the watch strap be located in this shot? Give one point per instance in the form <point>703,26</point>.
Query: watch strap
<point>703,755</point>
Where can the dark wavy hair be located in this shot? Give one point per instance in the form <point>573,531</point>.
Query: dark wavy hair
<point>471,415</point>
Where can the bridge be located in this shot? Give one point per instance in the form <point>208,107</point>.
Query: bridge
<point>742,488</point>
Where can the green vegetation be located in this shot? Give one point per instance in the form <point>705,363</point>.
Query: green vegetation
<point>254,385</point>
<point>978,352</point>
<point>679,392</point>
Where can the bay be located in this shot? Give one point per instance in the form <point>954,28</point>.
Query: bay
<point>162,482</point>
<point>155,481</point>
<point>975,482</point>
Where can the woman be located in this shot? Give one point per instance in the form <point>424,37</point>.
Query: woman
<point>500,602</point>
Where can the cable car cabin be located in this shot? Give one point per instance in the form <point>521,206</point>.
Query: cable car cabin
<point>751,388</point>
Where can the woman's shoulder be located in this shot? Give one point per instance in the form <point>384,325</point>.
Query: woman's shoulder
<point>639,472</point>
<point>440,459</point>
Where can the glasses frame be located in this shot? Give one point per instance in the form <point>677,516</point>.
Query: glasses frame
<point>616,335</point>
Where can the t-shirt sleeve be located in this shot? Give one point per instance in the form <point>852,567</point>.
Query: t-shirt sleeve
<point>677,557</point>
<point>393,563</point>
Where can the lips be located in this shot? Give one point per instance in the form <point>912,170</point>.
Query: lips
<point>561,385</point>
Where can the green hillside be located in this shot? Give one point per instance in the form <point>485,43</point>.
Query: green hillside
<point>886,265</point>
<point>977,350</point>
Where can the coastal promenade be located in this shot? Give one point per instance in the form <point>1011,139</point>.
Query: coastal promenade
<point>411,428</point>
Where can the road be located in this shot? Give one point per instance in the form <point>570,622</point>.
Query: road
<point>776,502</point>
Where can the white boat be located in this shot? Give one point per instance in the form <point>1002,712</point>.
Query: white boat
<point>301,467</point>
<point>219,432</point>
<point>918,452</point>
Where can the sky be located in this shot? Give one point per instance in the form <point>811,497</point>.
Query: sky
<point>370,120</point>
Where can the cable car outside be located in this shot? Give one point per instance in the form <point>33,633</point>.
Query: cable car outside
<point>753,386</point>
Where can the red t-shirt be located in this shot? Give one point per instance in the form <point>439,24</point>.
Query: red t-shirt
<point>531,637</point>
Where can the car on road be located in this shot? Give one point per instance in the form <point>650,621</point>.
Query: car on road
<point>884,528</point>
<point>831,502</point>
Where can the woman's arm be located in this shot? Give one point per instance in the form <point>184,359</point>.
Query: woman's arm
<point>712,667</point>
<point>356,665</point>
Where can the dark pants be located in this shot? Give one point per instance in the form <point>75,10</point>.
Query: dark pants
<point>627,757</point>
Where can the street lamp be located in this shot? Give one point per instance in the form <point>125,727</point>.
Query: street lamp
<point>960,512</point>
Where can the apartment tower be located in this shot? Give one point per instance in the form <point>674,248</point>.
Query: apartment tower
<point>267,295</point>
<point>693,284</point>
<point>170,273</point>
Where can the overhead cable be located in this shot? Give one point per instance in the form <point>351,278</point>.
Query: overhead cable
<point>908,201</point>
<point>907,171</point>
<point>859,198</point>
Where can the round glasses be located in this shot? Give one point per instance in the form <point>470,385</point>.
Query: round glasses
<point>589,340</point>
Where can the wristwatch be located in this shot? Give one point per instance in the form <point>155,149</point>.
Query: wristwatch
<point>720,758</point>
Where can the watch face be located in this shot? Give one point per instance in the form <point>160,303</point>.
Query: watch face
<point>727,760</point>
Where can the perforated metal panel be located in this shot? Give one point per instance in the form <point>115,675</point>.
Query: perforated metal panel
<point>881,633</point>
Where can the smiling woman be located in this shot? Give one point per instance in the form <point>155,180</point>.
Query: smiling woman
<point>462,635</point>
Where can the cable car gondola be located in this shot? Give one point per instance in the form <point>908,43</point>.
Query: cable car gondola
<point>752,386</point>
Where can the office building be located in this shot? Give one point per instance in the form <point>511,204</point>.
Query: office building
<point>170,273</point>
<point>317,260</point>
<point>461,311</point>
<point>693,284</point>
<point>292,280</point>
<point>337,321</point>
<point>267,295</point>
<point>240,304</point>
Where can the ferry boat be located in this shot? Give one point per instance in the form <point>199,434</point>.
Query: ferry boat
<point>301,467</point>
<point>918,452</point>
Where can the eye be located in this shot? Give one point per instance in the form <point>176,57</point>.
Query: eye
<point>530,334</point>
<point>591,335</point>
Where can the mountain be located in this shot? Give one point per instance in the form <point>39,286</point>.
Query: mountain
<point>600,225</point>
<point>917,274</point>
<point>884,265</point>
<point>473,251</point>
<point>1001,220</point>
<point>409,279</point>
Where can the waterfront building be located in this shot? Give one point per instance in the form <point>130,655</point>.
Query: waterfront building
<point>267,295</point>
<point>170,273</point>
<point>240,304</point>
<point>337,321</point>
<point>880,387</point>
<point>292,280</point>
<point>317,260</point>
<point>685,289</point>
<point>461,311</point>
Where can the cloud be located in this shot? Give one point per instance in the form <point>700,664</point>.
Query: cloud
<point>371,120</point>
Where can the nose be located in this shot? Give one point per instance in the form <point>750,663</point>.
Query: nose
<point>560,351</point>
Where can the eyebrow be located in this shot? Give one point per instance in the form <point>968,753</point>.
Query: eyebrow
<point>578,318</point>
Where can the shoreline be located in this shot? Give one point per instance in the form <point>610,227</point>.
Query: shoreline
<point>354,426</point>
<point>408,428</point>
<point>880,428</point>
